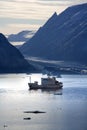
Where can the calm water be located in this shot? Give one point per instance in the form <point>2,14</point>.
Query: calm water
<point>65,109</point>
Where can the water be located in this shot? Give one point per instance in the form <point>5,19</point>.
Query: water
<point>65,109</point>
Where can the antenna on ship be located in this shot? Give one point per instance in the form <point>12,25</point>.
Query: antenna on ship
<point>30,78</point>
<point>49,74</point>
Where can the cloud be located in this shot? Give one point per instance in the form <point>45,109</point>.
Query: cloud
<point>33,9</point>
<point>21,10</point>
<point>32,12</point>
<point>61,2</point>
<point>27,9</point>
<point>26,26</point>
<point>54,3</point>
<point>15,28</point>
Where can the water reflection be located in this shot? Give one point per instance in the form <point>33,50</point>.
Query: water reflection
<point>66,109</point>
<point>55,92</point>
<point>48,91</point>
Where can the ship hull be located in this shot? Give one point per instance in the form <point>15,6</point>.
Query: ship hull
<point>34,86</point>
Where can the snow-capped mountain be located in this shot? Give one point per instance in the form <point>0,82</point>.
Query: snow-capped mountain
<point>63,37</point>
<point>22,36</point>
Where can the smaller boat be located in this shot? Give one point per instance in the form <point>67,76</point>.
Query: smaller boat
<point>46,83</point>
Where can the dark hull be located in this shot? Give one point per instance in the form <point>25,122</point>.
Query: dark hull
<point>51,87</point>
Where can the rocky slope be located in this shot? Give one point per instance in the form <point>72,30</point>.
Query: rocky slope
<point>63,37</point>
<point>11,60</point>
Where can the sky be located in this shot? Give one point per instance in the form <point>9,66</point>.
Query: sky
<point>18,15</point>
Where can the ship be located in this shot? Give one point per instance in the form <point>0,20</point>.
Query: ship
<point>46,83</point>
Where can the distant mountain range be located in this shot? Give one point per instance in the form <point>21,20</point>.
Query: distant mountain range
<point>11,60</point>
<point>63,37</point>
<point>22,36</point>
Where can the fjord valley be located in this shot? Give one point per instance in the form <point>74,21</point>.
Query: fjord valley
<point>58,48</point>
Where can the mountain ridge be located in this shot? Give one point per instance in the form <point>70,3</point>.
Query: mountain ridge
<point>65,35</point>
<point>11,60</point>
<point>22,36</point>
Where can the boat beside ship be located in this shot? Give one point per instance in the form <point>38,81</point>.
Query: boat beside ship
<point>46,83</point>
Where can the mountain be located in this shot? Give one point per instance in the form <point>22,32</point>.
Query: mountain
<point>11,60</point>
<point>22,36</point>
<point>63,37</point>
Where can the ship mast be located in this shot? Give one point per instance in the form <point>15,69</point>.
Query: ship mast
<point>30,78</point>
